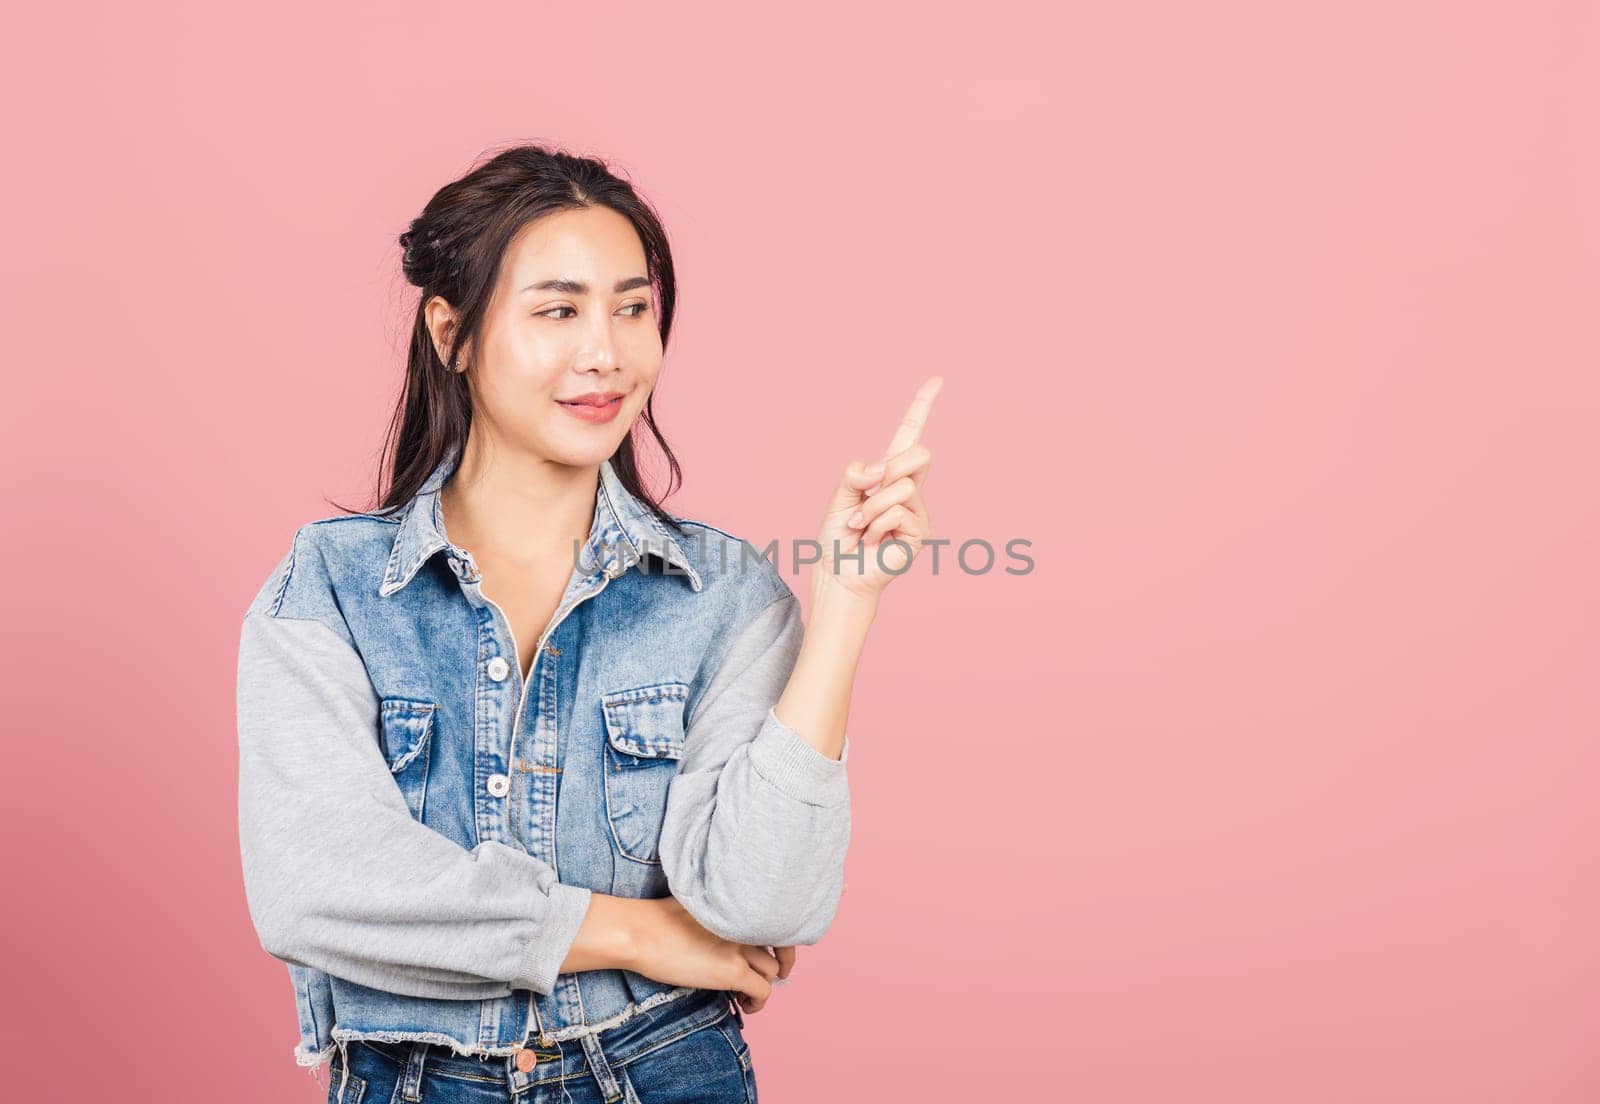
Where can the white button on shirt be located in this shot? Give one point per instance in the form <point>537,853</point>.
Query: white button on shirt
<point>499,785</point>
<point>499,668</point>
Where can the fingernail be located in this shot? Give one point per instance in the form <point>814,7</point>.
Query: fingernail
<point>855,520</point>
<point>875,469</point>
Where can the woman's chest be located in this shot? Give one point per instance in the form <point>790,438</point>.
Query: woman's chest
<point>528,596</point>
<point>583,751</point>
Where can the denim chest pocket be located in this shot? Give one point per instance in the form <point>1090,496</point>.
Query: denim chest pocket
<point>644,742</point>
<point>406,734</point>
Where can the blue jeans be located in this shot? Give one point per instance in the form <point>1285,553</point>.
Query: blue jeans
<point>707,1061</point>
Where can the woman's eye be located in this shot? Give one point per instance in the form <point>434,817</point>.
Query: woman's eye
<point>636,308</point>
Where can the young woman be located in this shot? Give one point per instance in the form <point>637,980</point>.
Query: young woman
<point>534,775</point>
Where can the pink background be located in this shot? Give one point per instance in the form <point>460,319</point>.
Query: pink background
<point>1271,326</point>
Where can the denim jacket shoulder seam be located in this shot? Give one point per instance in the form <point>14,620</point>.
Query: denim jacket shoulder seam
<point>771,568</point>
<point>274,609</point>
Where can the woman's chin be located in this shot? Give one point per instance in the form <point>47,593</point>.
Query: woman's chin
<point>584,449</point>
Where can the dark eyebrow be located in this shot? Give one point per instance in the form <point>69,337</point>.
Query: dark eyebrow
<point>575,287</point>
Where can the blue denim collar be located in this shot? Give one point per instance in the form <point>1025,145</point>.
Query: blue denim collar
<point>623,532</point>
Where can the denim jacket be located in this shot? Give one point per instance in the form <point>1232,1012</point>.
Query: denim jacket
<point>421,828</point>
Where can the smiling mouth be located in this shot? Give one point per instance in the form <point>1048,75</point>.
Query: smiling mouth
<point>594,409</point>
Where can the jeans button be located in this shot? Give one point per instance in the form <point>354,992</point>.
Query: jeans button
<point>499,668</point>
<point>499,785</point>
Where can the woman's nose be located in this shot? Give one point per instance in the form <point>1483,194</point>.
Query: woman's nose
<point>600,346</point>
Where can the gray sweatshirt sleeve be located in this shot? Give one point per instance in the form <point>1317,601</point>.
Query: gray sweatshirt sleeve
<point>338,875</point>
<point>757,821</point>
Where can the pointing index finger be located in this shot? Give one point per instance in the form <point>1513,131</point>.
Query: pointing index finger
<point>916,418</point>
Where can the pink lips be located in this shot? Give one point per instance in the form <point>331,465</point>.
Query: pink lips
<point>594,407</point>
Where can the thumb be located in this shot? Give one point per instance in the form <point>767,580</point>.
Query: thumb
<point>858,477</point>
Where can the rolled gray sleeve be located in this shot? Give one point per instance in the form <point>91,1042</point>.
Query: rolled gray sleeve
<point>757,820</point>
<point>338,875</point>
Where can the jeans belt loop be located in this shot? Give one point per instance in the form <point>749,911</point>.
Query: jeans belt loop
<point>411,1081</point>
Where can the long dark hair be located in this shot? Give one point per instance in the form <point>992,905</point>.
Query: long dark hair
<point>454,249</point>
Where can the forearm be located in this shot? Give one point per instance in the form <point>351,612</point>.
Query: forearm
<point>609,937</point>
<point>816,700</point>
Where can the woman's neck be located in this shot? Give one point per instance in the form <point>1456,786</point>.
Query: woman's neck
<point>513,507</point>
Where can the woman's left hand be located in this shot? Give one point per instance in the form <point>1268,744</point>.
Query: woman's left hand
<point>875,504</point>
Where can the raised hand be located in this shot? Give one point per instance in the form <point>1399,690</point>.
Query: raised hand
<point>878,503</point>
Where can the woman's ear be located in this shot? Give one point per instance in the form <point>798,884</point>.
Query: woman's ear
<point>440,317</point>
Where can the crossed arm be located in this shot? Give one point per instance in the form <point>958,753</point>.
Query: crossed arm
<point>340,877</point>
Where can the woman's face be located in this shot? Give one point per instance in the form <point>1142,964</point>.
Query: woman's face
<point>573,316</point>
